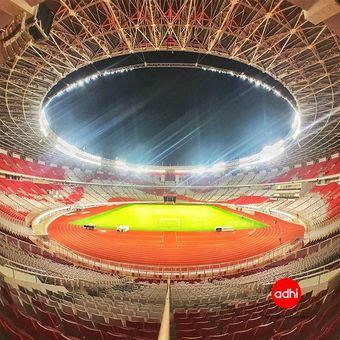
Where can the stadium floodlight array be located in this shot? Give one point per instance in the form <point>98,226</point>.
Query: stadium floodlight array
<point>43,124</point>
<point>82,82</point>
<point>122,165</point>
<point>296,125</point>
<point>218,167</point>
<point>266,154</point>
<point>74,152</point>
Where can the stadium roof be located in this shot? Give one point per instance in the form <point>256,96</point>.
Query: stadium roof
<point>273,36</point>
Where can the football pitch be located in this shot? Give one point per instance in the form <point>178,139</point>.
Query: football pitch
<point>176,217</point>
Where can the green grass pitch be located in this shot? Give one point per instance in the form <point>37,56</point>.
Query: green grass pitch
<point>176,217</point>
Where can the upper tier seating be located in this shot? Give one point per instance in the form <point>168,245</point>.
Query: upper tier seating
<point>12,213</point>
<point>331,192</point>
<point>245,200</point>
<point>42,194</point>
<point>20,166</point>
<point>75,196</point>
<point>234,177</point>
<point>319,209</point>
<point>326,168</point>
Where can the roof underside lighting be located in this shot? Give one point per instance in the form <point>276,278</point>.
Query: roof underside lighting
<point>267,153</point>
<point>74,152</point>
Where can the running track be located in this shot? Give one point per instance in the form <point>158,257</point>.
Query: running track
<point>172,248</point>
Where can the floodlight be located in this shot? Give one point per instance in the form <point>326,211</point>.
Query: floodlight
<point>43,130</point>
<point>268,153</point>
<point>74,152</point>
<point>219,166</point>
<point>271,151</point>
<point>141,169</point>
<point>120,163</point>
<point>296,126</point>
<point>181,171</point>
<point>43,123</point>
<point>199,170</point>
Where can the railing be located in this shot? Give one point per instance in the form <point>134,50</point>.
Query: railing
<point>21,244</point>
<point>202,271</point>
<point>330,229</point>
<point>142,270</point>
<point>14,226</point>
<point>164,331</point>
<point>166,271</point>
<point>308,274</point>
<point>273,212</point>
<point>15,267</point>
<point>39,274</point>
<point>317,271</point>
<point>72,282</point>
<point>162,270</point>
<point>55,211</point>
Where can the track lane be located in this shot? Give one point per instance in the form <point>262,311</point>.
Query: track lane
<point>173,248</point>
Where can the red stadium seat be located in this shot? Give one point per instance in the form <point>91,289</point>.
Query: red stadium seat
<point>115,336</point>
<point>90,333</point>
<point>224,336</point>
<point>209,331</point>
<point>264,331</point>
<point>286,335</point>
<point>45,332</point>
<point>245,334</point>
<point>252,323</point>
<point>234,327</point>
<point>71,328</point>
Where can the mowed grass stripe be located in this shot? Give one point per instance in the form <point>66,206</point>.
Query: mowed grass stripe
<point>177,217</point>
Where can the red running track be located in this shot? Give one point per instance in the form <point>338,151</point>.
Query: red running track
<point>173,248</point>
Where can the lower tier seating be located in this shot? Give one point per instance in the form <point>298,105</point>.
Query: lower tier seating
<point>262,320</point>
<point>37,314</point>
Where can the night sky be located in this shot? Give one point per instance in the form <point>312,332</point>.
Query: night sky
<point>169,116</point>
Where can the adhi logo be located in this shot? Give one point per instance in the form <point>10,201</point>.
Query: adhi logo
<point>286,293</point>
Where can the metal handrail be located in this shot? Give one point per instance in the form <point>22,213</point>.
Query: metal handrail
<point>145,270</point>
<point>164,331</point>
<point>189,271</point>
<point>231,266</point>
<point>84,282</point>
<point>319,271</point>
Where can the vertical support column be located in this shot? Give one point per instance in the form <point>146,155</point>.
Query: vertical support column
<point>164,332</point>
